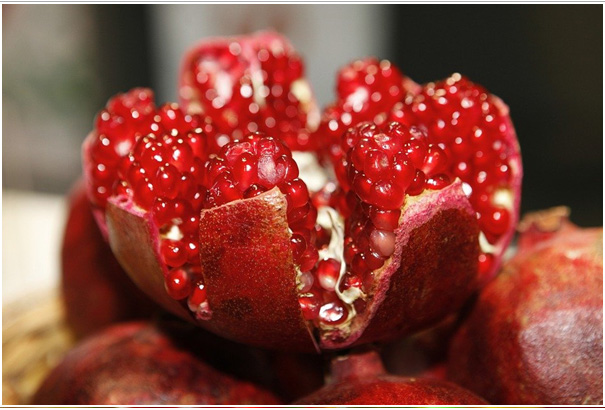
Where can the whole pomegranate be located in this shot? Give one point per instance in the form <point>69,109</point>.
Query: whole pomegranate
<point>139,363</point>
<point>96,290</point>
<point>535,335</point>
<point>224,232</point>
<point>360,379</point>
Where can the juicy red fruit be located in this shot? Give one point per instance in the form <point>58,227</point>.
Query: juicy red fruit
<point>126,118</point>
<point>250,84</point>
<point>475,134</point>
<point>240,248</point>
<point>254,165</point>
<point>366,91</point>
<point>385,165</point>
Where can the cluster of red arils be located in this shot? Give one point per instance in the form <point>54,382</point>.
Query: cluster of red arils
<point>208,211</point>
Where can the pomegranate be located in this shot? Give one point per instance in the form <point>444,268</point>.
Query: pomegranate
<point>360,379</point>
<point>139,363</point>
<point>469,131</point>
<point>248,84</point>
<point>535,335</point>
<point>96,290</point>
<point>232,238</point>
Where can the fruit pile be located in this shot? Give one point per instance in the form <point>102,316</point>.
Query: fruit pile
<point>321,235</point>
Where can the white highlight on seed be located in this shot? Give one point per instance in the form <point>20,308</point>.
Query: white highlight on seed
<point>467,189</point>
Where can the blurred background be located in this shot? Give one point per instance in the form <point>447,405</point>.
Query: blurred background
<point>62,62</point>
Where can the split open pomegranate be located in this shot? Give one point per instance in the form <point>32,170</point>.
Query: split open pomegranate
<point>224,232</point>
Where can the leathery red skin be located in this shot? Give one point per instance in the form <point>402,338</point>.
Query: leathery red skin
<point>535,335</point>
<point>250,277</point>
<point>96,290</point>
<point>360,379</point>
<point>147,363</point>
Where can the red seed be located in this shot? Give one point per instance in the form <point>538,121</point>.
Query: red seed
<point>296,192</point>
<point>309,306</point>
<point>496,221</point>
<point>198,296</point>
<point>388,195</point>
<point>328,271</point>
<point>333,313</point>
<point>385,219</point>
<point>174,253</point>
<point>178,284</point>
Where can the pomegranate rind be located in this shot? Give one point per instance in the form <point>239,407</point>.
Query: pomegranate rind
<point>516,167</point>
<point>141,363</point>
<point>430,275</point>
<point>249,274</point>
<point>96,291</point>
<point>535,335</point>
<point>134,240</point>
<point>360,379</point>
<point>97,212</point>
<point>393,390</point>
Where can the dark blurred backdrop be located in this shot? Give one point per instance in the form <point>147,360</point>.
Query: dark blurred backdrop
<point>544,61</point>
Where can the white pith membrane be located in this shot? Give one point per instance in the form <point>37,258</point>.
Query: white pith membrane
<point>331,220</point>
<point>417,210</point>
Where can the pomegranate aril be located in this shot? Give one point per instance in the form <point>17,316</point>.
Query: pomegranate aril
<point>359,265</point>
<point>438,182</point>
<point>436,161</point>
<point>385,219</point>
<point>197,297</point>
<point>328,271</point>
<point>174,253</point>
<point>402,170</point>
<point>298,214</point>
<point>373,260</point>
<point>323,236</point>
<point>310,305</point>
<point>306,282</point>
<point>166,181</point>
<point>298,244</point>
<point>418,183</point>
<point>376,165</point>
<point>383,242</point>
<point>387,194</point>
<point>254,190</point>
<point>333,313</point>
<point>496,221</point>
<point>143,194</point>
<point>485,263</point>
<point>245,171</point>
<point>296,192</point>
<point>308,259</point>
<point>178,284</point>
<point>416,151</point>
